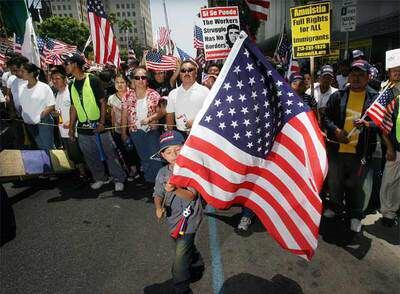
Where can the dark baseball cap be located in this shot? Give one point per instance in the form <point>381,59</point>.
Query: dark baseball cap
<point>361,65</point>
<point>295,76</point>
<point>74,58</point>
<point>327,70</point>
<point>167,139</point>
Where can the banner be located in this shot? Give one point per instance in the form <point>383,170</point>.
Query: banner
<point>311,33</point>
<point>221,27</point>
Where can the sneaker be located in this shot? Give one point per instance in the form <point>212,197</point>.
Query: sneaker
<point>355,225</point>
<point>98,184</point>
<point>328,213</point>
<point>244,224</point>
<point>130,179</point>
<point>119,187</point>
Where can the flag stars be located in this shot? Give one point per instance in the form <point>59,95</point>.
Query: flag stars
<point>249,145</point>
<point>208,118</point>
<point>248,134</point>
<point>237,69</point>
<point>257,119</point>
<point>288,111</point>
<point>289,102</point>
<point>264,92</point>
<point>246,122</point>
<point>266,104</point>
<point>290,94</point>
<point>269,73</point>
<point>254,94</point>
<point>259,141</point>
<point>239,84</point>
<point>256,107</point>
<point>279,83</point>
<point>244,110</point>
<point>246,53</point>
<point>227,86</point>
<point>300,104</point>
<point>220,114</point>
<point>249,67</point>
<point>258,130</point>
<point>252,81</point>
<point>236,136</point>
<point>217,102</point>
<point>279,93</point>
<point>222,126</point>
<point>262,80</point>
<point>242,97</point>
<point>234,124</point>
<point>232,111</point>
<point>267,115</point>
<point>229,99</point>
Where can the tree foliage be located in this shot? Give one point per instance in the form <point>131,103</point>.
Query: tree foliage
<point>66,29</point>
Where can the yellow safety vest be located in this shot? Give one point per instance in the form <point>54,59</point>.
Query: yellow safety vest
<point>89,110</point>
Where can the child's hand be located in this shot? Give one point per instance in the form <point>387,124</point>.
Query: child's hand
<point>169,187</point>
<point>160,212</point>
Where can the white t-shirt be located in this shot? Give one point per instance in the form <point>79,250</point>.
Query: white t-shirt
<point>34,101</point>
<point>63,103</point>
<point>116,105</point>
<point>141,113</point>
<point>16,88</point>
<point>4,78</point>
<point>321,98</point>
<point>186,104</point>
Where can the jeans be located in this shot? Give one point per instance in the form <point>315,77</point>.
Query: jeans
<point>43,134</point>
<point>147,144</point>
<point>186,258</point>
<point>345,184</point>
<point>90,151</point>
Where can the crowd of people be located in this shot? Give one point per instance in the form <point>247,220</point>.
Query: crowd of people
<point>129,125</point>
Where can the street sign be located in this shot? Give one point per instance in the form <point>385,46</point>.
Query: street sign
<point>311,32</point>
<point>348,16</point>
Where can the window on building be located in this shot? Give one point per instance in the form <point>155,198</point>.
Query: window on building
<point>127,5</point>
<point>133,13</point>
<point>70,15</point>
<point>123,6</point>
<point>59,7</point>
<point>69,7</point>
<point>128,13</point>
<point>123,13</point>
<point>121,39</point>
<point>64,7</point>
<point>118,13</point>
<point>135,30</point>
<point>117,6</point>
<point>130,30</point>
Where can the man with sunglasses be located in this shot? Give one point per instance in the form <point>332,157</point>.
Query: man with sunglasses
<point>88,107</point>
<point>185,101</point>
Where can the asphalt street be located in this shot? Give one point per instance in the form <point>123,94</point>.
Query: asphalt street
<point>73,240</point>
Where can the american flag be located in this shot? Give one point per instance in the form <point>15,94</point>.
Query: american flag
<point>51,50</point>
<point>163,36</point>
<point>200,58</point>
<point>104,43</point>
<point>183,55</point>
<point>198,42</point>
<point>18,41</point>
<point>293,66</point>
<point>256,143</point>
<point>381,110</point>
<point>158,62</point>
<point>6,45</point>
<point>283,50</point>
<point>258,8</point>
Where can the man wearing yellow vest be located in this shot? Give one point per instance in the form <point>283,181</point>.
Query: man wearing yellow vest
<point>88,107</point>
<point>348,154</point>
<point>390,188</point>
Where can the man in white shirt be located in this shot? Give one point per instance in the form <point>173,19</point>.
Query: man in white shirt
<point>344,69</point>
<point>323,89</point>
<point>186,101</point>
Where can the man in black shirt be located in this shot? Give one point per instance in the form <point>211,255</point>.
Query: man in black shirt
<point>88,106</point>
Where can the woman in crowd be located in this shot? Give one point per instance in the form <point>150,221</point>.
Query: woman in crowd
<point>130,157</point>
<point>62,105</point>
<point>37,103</point>
<point>140,112</point>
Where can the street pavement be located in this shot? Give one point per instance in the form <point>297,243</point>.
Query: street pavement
<point>74,240</point>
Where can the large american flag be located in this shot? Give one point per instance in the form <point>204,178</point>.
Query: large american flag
<point>18,41</point>
<point>198,41</point>
<point>382,109</point>
<point>159,62</point>
<point>51,50</point>
<point>258,8</point>
<point>163,36</point>
<point>256,143</point>
<point>105,46</point>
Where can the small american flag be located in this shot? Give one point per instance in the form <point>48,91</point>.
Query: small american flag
<point>283,50</point>
<point>18,41</point>
<point>256,143</point>
<point>105,46</point>
<point>6,45</point>
<point>163,36</point>
<point>198,42</point>
<point>381,110</point>
<point>200,58</point>
<point>158,62</point>
<point>183,55</point>
<point>258,8</point>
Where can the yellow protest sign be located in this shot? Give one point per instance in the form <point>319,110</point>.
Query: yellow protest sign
<point>311,32</point>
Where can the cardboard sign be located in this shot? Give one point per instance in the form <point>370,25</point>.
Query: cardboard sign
<point>221,28</point>
<point>11,163</point>
<point>392,58</point>
<point>311,32</point>
<point>60,161</point>
<point>36,162</point>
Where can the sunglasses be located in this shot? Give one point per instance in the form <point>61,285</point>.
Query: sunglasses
<point>185,70</point>
<point>140,78</point>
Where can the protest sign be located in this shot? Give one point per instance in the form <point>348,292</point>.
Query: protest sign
<point>221,27</point>
<point>310,30</point>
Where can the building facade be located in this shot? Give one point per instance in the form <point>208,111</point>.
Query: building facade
<point>137,12</point>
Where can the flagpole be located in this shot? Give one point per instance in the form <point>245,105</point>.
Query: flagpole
<point>167,24</point>
<point>87,43</point>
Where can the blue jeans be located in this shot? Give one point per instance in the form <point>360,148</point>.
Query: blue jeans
<point>147,144</point>
<point>186,258</point>
<point>43,134</point>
